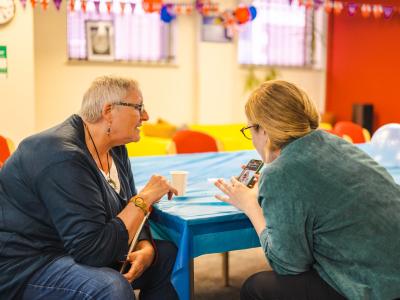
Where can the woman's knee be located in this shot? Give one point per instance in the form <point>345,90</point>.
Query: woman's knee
<point>167,252</point>
<point>260,285</point>
<point>115,286</point>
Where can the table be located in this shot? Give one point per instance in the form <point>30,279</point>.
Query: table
<point>198,223</point>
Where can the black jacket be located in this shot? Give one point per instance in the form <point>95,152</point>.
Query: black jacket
<point>55,202</point>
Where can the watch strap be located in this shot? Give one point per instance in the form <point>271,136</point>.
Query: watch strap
<point>139,203</point>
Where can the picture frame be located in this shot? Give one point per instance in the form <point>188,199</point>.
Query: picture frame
<point>213,30</point>
<point>100,40</point>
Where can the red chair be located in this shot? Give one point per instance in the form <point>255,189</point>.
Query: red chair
<point>189,141</point>
<point>343,136</point>
<point>4,150</point>
<point>354,131</point>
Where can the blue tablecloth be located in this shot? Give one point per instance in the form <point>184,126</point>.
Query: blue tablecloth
<point>198,223</point>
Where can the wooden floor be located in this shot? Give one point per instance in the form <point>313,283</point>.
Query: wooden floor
<point>208,280</point>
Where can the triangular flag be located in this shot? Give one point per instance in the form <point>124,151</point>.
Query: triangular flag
<point>366,10</point>
<point>377,11</point>
<point>177,9</point>
<point>352,9</point>
<point>108,4</point>
<point>33,3</point>
<point>388,11</point>
<point>71,5</point>
<point>23,3</point>
<point>83,5</point>
<point>133,5</point>
<point>188,9</point>
<point>45,4</point>
<point>122,4</point>
<point>97,6</point>
<point>57,3</point>
<point>328,7</point>
<point>337,7</point>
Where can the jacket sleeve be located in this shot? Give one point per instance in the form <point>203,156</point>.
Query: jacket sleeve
<point>287,239</point>
<point>145,234</point>
<point>70,192</point>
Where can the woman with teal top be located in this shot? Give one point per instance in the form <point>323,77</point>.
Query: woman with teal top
<point>327,215</point>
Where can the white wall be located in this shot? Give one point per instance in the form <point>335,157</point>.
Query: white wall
<point>17,91</point>
<point>168,91</point>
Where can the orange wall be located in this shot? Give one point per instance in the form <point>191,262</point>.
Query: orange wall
<point>363,65</point>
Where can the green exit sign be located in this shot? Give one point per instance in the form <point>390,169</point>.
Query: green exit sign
<point>3,62</point>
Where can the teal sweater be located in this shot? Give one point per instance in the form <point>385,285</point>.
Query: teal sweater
<point>330,207</point>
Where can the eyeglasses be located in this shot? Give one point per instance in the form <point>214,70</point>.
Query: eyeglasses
<point>139,107</point>
<point>245,131</point>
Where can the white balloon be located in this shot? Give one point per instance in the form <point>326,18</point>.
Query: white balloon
<point>386,145</point>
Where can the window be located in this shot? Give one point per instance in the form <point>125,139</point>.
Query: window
<point>282,35</point>
<point>135,36</point>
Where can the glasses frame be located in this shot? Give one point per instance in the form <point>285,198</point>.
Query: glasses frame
<point>243,130</point>
<point>138,107</point>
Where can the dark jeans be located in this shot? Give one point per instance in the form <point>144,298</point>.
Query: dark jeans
<point>66,279</point>
<point>271,286</point>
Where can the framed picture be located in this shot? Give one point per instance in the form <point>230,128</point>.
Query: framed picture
<point>213,30</point>
<point>100,40</point>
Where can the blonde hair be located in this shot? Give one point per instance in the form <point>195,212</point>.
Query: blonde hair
<point>283,110</point>
<point>105,89</point>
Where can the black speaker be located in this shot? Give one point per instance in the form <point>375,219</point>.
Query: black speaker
<point>363,115</point>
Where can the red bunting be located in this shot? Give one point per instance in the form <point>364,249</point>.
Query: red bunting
<point>377,10</point>
<point>366,10</point>
<point>108,5</point>
<point>150,6</point>
<point>45,4</point>
<point>71,5</point>
<point>122,5</point>
<point>83,5</point>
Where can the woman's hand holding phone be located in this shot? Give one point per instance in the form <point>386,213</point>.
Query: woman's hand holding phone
<point>238,195</point>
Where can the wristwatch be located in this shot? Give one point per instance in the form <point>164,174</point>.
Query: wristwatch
<point>139,202</point>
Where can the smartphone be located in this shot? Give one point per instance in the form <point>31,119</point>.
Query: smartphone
<point>247,176</point>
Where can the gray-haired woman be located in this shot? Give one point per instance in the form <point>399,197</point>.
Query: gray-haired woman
<point>69,207</point>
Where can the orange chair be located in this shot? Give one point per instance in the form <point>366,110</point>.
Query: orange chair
<point>343,136</point>
<point>189,141</point>
<point>354,131</point>
<point>4,150</point>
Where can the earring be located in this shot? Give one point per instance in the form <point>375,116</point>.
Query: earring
<point>109,129</point>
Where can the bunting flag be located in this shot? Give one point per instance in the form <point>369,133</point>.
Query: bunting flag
<point>45,4</point>
<point>366,10</point>
<point>388,12</point>
<point>337,7</point>
<point>71,5</point>
<point>377,11</point>
<point>57,4</point>
<point>97,6</point>
<point>122,5</point>
<point>108,5</point>
<point>133,5</point>
<point>84,5</point>
<point>237,16</point>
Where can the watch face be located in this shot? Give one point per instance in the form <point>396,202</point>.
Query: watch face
<point>139,201</point>
<point>7,10</point>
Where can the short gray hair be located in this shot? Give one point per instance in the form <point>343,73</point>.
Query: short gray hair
<point>105,89</point>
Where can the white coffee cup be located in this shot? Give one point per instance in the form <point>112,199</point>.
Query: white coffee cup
<point>179,181</point>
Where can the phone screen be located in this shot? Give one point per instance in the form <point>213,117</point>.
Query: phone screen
<point>247,176</point>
